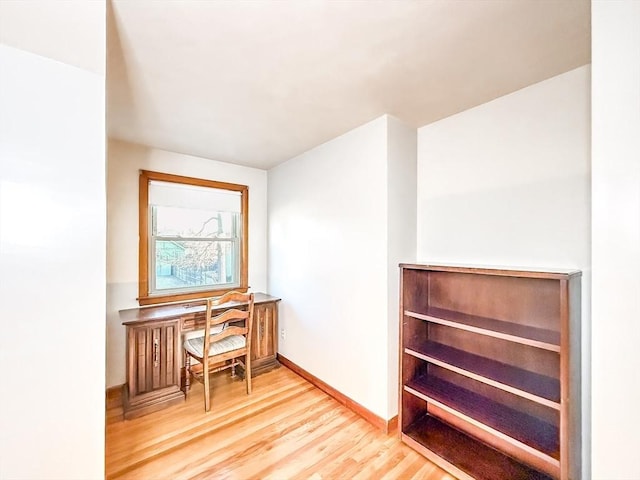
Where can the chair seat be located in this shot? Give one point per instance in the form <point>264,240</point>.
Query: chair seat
<point>196,345</point>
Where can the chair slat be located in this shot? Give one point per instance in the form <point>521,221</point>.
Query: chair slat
<point>232,314</point>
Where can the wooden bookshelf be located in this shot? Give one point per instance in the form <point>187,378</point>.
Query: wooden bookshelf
<point>490,370</point>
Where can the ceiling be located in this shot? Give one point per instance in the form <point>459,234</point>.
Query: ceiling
<point>258,82</point>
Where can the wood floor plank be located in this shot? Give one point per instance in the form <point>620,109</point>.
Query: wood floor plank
<point>185,460</point>
<point>349,464</point>
<point>159,439</point>
<point>309,458</point>
<point>304,450</point>
<point>228,399</point>
<point>406,467</point>
<point>271,451</point>
<point>286,429</point>
<point>426,471</point>
<point>189,461</point>
<point>430,471</point>
<point>386,459</point>
<point>256,448</point>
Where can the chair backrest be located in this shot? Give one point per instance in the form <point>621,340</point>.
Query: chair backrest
<point>239,322</point>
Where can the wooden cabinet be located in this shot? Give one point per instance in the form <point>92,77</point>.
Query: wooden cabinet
<point>154,350</point>
<point>153,369</point>
<point>264,338</point>
<point>490,370</point>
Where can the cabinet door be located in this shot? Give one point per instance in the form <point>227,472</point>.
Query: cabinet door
<point>152,362</point>
<point>264,336</point>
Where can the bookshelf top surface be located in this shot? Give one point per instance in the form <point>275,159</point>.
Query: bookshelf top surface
<point>528,272</point>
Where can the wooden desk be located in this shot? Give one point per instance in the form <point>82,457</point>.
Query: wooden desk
<point>155,370</point>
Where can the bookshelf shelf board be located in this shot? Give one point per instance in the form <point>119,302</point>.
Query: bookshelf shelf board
<point>514,332</point>
<point>538,388</point>
<point>518,428</point>
<point>470,457</point>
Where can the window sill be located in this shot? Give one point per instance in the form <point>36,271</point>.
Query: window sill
<point>148,300</point>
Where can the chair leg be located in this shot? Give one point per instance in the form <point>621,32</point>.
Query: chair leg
<point>187,373</point>
<point>207,400</point>
<point>247,372</point>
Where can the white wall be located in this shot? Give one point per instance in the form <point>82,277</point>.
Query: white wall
<point>52,261</point>
<point>508,183</point>
<point>125,160</point>
<point>329,260</point>
<point>616,239</point>
<point>401,235</point>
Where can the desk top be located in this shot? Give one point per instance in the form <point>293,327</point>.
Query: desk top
<point>133,316</point>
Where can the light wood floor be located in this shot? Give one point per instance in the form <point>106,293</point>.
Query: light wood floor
<point>286,429</point>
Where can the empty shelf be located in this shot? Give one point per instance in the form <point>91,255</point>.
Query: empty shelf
<point>514,332</point>
<point>523,430</point>
<point>467,454</point>
<point>538,388</point>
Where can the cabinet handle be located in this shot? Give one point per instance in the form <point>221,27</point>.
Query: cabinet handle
<point>156,349</point>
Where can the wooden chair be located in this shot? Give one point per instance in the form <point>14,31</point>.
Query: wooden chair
<point>227,339</point>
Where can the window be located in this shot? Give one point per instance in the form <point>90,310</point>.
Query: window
<point>193,237</point>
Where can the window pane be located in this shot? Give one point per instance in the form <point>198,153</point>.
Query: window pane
<point>169,194</point>
<point>192,223</point>
<point>192,264</point>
